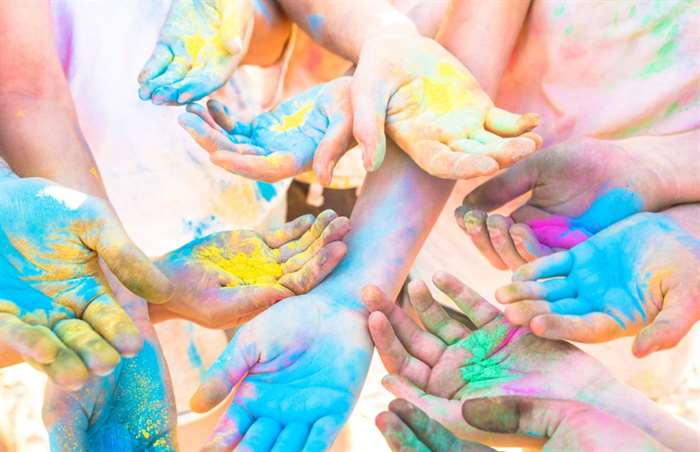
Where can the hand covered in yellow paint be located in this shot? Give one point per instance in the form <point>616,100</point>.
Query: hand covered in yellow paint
<point>434,109</point>
<point>57,310</point>
<point>200,45</point>
<point>227,278</point>
<point>315,125</point>
<point>447,363</point>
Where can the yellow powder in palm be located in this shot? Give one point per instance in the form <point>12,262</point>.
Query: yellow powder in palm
<point>193,46</point>
<point>447,91</point>
<point>294,120</point>
<point>254,267</point>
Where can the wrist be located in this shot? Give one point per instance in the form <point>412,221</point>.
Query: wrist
<point>386,25</point>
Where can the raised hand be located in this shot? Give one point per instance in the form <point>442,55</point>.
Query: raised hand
<point>638,277</point>
<point>56,307</point>
<point>299,367</point>
<point>578,189</point>
<point>314,126</point>
<point>226,278</point>
<point>131,409</point>
<point>434,109</point>
<point>200,45</point>
<point>447,363</point>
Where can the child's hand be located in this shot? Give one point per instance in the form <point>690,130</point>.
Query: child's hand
<point>434,109</point>
<point>638,277</point>
<point>56,307</point>
<point>200,45</point>
<point>314,126</point>
<point>578,189</point>
<point>226,278</point>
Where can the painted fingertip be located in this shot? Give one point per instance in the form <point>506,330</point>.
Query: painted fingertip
<point>144,93</point>
<point>529,121</point>
<point>184,97</point>
<point>472,221</point>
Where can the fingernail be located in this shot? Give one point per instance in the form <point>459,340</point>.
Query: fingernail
<point>184,97</point>
<point>471,222</point>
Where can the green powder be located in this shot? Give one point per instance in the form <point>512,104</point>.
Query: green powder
<point>482,370</point>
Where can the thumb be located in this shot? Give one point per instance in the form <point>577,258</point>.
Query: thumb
<point>507,124</point>
<point>332,147</point>
<point>370,96</point>
<point>130,265</point>
<point>236,24</point>
<point>505,187</point>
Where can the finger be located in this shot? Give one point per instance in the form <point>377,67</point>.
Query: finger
<point>260,436</point>
<point>498,228</point>
<point>393,354</point>
<point>334,232</point>
<point>507,124</point>
<point>419,343</point>
<point>506,151</point>
<point>292,437</point>
<point>292,230</point>
<point>473,222</point>
<point>557,264</point>
<point>323,433</point>
<point>476,308</point>
<point>309,237</point>
<point>221,114</point>
<point>155,65</point>
<point>199,83</point>
<point>505,187</point>
<point>95,352</point>
<point>679,313</point>
<point>398,435</point>
<point>526,243</point>
<point>402,388</point>
<point>440,161</point>
<point>230,429</point>
<point>433,315</point>
<point>370,98</point>
<point>209,139</point>
<point>159,87</point>
<point>249,161</point>
<point>110,320</point>
<point>550,290</point>
<point>315,269</point>
<point>37,343</point>
<point>522,312</point>
<point>588,328</point>
<point>229,368</point>
<point>66,371</point>
<point>333,146</point>
<point>129,264</point>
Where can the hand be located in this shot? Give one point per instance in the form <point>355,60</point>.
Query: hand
<point>314,126</point>
<point>439,368</point>
<point>200,45</point>
<point>434,110</point>
<point>56,307</point>
<point>578,189</point>
<point>299,365</point>
<point>566,425</point>
<point>639,276</point>
<point>226,278</point>
<point>131,409</point>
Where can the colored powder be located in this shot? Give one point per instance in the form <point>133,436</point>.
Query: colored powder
<point>194,45</point>
<point>447,91</point>
<point>315,24</point>
<point>254,267</point>
<point>294,120</point>
<point>482,369</point>
<point>267,190</point>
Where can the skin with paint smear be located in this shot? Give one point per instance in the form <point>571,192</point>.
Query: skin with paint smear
<point>226,278</point>
<point>314,126</point>
<point>56,308</point>
<point>638,277</point>
<point>200,45</point>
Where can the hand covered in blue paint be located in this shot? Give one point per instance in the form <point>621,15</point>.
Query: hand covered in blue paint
<point>299,365</point>
<point>447,363</point>
<point>131,409</point>
<point>314,126</point>
<point>565,425</point>
<point>434,109</point>
<point>637,277</point>
<point>57,310</point>
<point>200,45</point>
<point>578,189</point>
<point>229,277</point>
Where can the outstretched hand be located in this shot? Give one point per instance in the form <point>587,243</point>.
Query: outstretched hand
<point>434,109</point>
<point>638,277</point>
<point>56,307</point>
<point>200,45</point>
<point>314,126</point>
<point>226,278</point>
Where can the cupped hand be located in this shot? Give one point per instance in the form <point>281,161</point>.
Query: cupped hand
<point>56,307</point>
<point>439,367</point>
<point>200,45</point>
<point>314,126</point>
<point>299,367</point>
<point>637,277</point>
<point>131,409</point>
<point>226,278</point>
<point>434,109</point>
<point>577,189</point>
